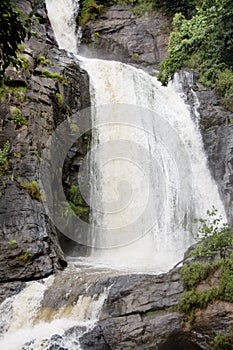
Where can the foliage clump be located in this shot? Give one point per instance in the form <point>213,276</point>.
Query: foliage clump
<point>55,76</point>
<point>203,41</point>
<point>215,237</point>
<point>77,203</point>
<point>33,190</point>
<point>14,27</point>
<point>18,118</point>
<point>222,342</point>
<point>4,161</point>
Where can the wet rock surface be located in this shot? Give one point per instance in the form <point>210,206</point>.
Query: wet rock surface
<point>118,34</point>
<point>36,99</point>
<point>217,132</point>
<point>138,312</point>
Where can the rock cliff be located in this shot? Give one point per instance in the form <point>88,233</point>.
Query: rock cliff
<point>34,100</point>
<point>119,34</point>
<point>140,310</point>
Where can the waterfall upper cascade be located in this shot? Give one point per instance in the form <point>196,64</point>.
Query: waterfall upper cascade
<point>149,175</point>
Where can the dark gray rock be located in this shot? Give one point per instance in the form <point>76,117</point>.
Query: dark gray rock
<point>30,247</point>
<point>217,133</point>
<point>120,35</point>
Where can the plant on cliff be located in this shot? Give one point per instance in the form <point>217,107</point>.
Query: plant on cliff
<point>89,10</point>
<point>18,118</point>
<point>33,190</point>
<point>206,41</point>
<point>4,162</point>
<point>222,342</point>
<point>14,27</point>
<point>77,203</point>
<point>215,237</point>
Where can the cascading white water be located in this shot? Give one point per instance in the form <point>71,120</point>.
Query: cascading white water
<point>150,159</point>
<point>63,13</point>
<point>26,323</point>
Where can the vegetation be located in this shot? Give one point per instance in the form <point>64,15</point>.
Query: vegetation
<point>55,76</point>
<point>33,190</point>
<point>223,342</point>
<point>18,118</point>
<point>59,98</point>
<point>26,257</point>
<point>4,162</point>
<point>77,203</point>
<point>203,41</point>
<point>12,242</point>
<point>14,27</point>
<point>215,237</point>
<point>43,61</point>
<point>90,10</point>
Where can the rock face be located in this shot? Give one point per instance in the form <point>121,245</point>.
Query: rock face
<point>118,34</point>
<point>217,132</point>
<point>34,101</point>
<point>138,314</point>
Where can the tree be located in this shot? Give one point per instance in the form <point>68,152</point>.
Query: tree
<point>208,35</point>
<point>13,30</point>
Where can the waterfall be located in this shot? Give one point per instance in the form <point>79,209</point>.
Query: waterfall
<point>149,174</point>
<point>45,314</point>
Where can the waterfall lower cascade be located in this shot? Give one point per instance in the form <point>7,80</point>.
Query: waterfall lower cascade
<point>52,313</point>
<point>149,176</point>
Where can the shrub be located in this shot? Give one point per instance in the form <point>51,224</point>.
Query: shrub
<point>90,10</point>
<point>194,273</point>
<point>222,342</point>
<point>214,235</point>
<point>193,299</point>
<point>18,118</point>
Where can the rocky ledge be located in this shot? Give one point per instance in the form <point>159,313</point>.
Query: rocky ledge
<point>118,34</point>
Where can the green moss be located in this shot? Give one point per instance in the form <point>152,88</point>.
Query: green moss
<point>55,76</point>
<point>33,190</point>
<point>193,299</point>
<point>77,203</point>
<point>226,280</point>
<point>18,118</point>
<point>41,60</point>
<point>222,342</point>
<point>59,98</point>
<point>17,91</point>
<point>194,273</point>
<point>21,47</point>
<point>4,161</point>
<point>26,257</point>
<point>135,56</point>
<point>12,242</point>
